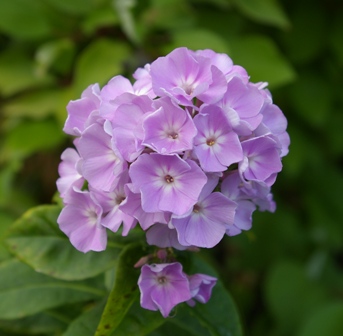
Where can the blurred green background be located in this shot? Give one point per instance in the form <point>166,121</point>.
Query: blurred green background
<point>286,274</point>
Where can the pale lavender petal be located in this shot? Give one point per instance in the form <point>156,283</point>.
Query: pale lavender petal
<point>101,163</point>
<point>79,111</point>
<point>263,158</point>
<point>201,286</point>
<point>67,169</point>
<point>167,183</point>
<point>162,236</point>
<point>215,145</point>
<point>169,129</point>
<point>163,286</point>
<point>133,207</point>
<point>80,221</point>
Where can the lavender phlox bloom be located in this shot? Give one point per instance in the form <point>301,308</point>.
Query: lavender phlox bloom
<point>69,172</point>
<point>143,85</point>
<point>183,75</point>
<point>167,183</point>
<point>102,163</point>
<point>259,193</point>
<point>261,159</point>
<point>201,286</point>
<point>110,201</point>
<point>206,224</point>
<point>80,221</point>
<point>132,206</point>
<point>216,145</point>
<point>233,187</point>
<point>127,123</point>
<point>169,129</point>
<point>275,123</point>
<point>117,86</point>
<point>84,111</point>
<point>162,235</point>
<point>163,286</point>
<point>224,63</point>
<point>242,105</point>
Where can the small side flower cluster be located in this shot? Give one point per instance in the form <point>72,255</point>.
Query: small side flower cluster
<point>189,151</point>
<point>163,286</point>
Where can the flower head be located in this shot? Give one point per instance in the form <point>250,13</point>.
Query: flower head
<point>163,286</point>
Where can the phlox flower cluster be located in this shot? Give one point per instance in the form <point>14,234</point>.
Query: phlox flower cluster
<point>188,152</point>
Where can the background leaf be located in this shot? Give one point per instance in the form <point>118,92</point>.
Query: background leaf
<point>262,59</point>
<point>124,291</point>
<point>24,292</point>
<point>264,11</point>
<point>100,61</point>
<point>35,239</point>
<point>23,19</point>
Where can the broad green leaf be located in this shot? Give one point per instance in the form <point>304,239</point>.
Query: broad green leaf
<point>36,239</point>
<point>86,323</point>
<point>35,105</point>
<point>29,137</point>
<point>76,7</point>
<point>24,292</point>
<point>285,284</point>
<point>262,59</point>
<point>168,14</point>
<point>198,39</point>
<point>264,11</point>
<point>100,61</point>
<point>124,292</point>
<point>23,19</point>
<point>328,320</point>
<point>102,17</point>
<point>219,315</point>
<point>139,321</point>
<point>41,323</point>
<point>18,72</point>
<point>6,220</point>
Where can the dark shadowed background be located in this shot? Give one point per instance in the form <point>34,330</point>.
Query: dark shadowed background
<point>286,274</point>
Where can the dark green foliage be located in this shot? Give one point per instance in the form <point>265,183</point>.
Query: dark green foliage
<point>285,275</point>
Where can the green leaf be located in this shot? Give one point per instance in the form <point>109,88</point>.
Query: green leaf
<point>124,292</point>
<point>24,292</point>
<point>100,61</point>
<point>23,19</point>
<point>328,320</point>
<point>264,11</point>
<point>219,315</point>
<point>285,284</point>
<point>35,105</point>
<point>198,39</point>
<point>18,72</point>
<point>76,7</point>
<point>36,239</point>
<point>262,59</point>
<point>29,137</point>
<point>139,321</point>
<point>86,323</point>
<point>41,323</point>
<point>102,17</point>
